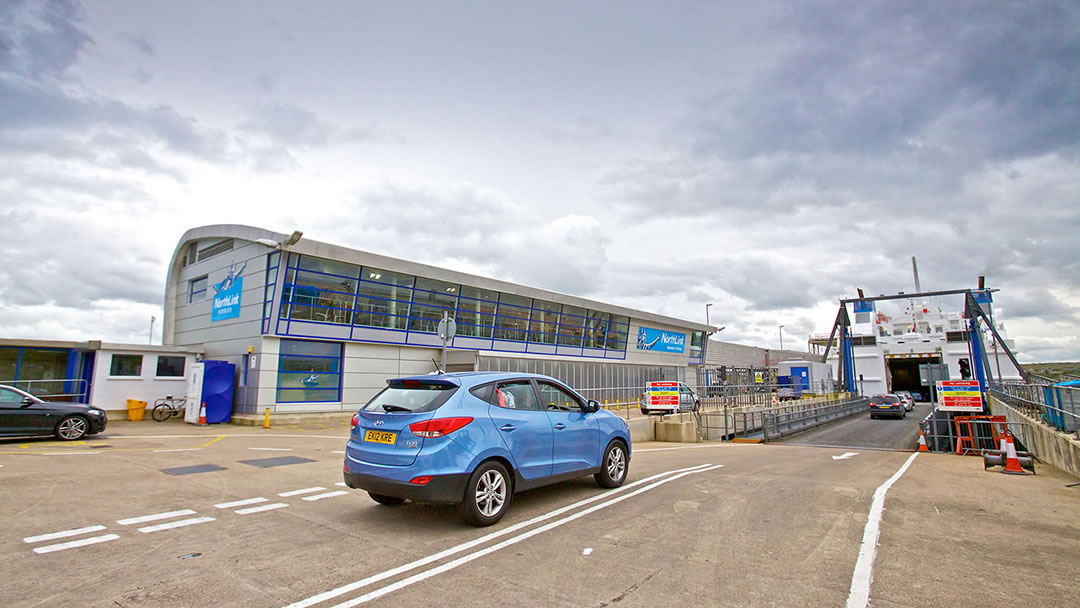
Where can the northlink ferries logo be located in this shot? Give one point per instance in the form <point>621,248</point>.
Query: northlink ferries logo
<point>226,304</point>
<point>655,339</point>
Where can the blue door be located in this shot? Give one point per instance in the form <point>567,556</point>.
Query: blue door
<point>800,378</point>
<point>524,428</point>
<point>576,434</point>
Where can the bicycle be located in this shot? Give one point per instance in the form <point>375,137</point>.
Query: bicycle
<point>168,407</point>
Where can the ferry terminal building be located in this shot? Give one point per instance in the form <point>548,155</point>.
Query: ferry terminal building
<point>316,327</point>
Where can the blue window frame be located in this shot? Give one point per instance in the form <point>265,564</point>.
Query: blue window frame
<point>324,291</point>
<point>273,260</point>
<point>197,289</point>
<point>309,371</point>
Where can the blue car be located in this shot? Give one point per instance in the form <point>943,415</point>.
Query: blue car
<point>475,438</point>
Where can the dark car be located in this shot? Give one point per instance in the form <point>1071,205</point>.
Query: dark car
<point>24,414</point>
<point>887,405</point>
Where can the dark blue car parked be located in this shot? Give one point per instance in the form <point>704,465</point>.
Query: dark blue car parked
<point>474,439</point>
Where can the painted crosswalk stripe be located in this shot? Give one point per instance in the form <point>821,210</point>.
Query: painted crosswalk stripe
<point>156,516</point>
<point>66,453</point>
<point>62,534</point>
<point>82,542</point>
<point>298,492</point>
<point>327,495</point>
<point>240,503</point>
<point>177,524</point>
<point>269,507</point>
<point>340,483</point>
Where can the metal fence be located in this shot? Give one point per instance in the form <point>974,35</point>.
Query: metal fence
<point>62,389</point>
<point>1056,406</point>
<point>958,433</point>
<point>730,422</point>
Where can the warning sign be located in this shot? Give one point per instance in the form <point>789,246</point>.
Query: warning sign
<point>959,396</point>
<point>662,395</point>
<point>758,378</point>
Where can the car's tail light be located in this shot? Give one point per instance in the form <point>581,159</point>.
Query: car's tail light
<point>355,420</point>
<point>420,481</point>
<point>438,427</point>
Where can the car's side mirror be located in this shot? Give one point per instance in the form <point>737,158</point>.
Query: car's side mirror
<point>592,406</point>
<point>27,402</point>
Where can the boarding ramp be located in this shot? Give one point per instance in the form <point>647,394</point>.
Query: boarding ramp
<point>757,423</point>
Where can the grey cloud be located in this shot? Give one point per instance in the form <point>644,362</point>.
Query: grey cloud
<point>296,126</point>
<point>40,39</point>
<point>142,44</point>
<point>60,246</point>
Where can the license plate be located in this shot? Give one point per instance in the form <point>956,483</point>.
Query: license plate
<point>884,407</point>
<point>380,437</point>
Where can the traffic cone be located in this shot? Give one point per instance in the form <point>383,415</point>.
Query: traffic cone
<point>922,442</point>
<point>1012,463</point>
<point>202,414</point>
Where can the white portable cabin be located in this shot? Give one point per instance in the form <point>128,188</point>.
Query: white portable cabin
<point>812,376</point>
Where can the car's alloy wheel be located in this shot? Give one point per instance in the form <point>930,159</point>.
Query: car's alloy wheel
<point>487,495</point>
<point>613,469</point>
<point>71,428</point>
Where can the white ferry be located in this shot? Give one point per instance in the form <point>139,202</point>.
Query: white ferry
<point>922,343</point>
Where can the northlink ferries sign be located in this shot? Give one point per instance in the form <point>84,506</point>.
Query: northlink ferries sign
<point>659,340</point>
<point>226,304</point>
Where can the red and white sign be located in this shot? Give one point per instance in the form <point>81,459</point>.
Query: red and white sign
<point>662,395</point>
<point>959,396</point>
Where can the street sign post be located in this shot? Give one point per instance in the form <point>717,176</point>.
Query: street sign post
<point>447,331</point>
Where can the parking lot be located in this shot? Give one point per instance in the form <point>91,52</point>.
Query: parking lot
<point>176,515</point>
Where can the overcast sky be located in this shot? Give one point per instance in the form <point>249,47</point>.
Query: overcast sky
<point>766,157</point>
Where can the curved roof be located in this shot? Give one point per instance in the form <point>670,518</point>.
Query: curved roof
<point>307,246</point>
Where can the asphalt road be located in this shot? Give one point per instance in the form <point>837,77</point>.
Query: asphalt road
<point>695,525</point>
<point>860,431</point>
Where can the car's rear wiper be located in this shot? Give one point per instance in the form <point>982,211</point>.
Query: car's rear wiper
<point>394,408</point>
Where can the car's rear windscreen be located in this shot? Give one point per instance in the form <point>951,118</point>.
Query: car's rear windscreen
<point>411,397</point>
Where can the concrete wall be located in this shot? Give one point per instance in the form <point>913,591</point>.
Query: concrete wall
<point>1050,445</point>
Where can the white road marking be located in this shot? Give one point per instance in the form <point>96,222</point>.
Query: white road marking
<point>587,551</point>
<point>269,507</point>
<point>326,595</point>
<point>686,447</point>
<point>859,594</point>
<point>154,517</point>
<point>240,503</point>
<point>62,534</point>
<point>416,578</point>
<point>845,456</point>
<point>298,492</point>
<point>327,495</point>
<point>65,453</point>
<point>177,524</point>
<point>340,483</point>
<point>273,449</point>
<point>181,450</point>
<point>339,451</point>
<point>82,542</point>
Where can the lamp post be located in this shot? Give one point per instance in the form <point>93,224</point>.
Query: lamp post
<point>152,319</point>
<point>781,337</point>
<point>707,313</point>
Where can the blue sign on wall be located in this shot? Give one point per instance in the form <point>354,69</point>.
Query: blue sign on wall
<point>226,303</point>
<point>664,341</point>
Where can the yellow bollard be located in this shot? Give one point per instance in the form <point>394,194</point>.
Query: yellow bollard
<point>266,419</point>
